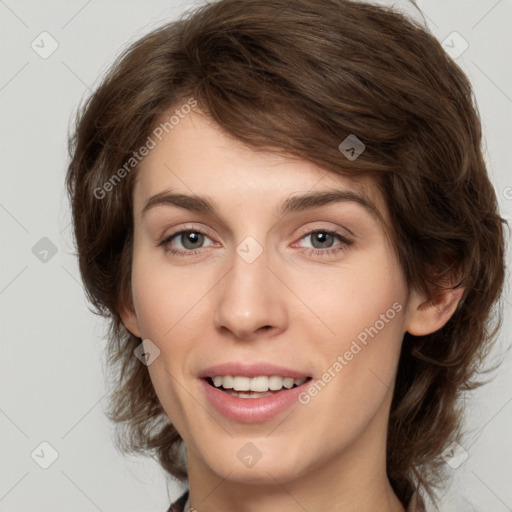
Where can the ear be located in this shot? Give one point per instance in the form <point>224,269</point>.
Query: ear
<point>129,318</point>
<point>427,316</point>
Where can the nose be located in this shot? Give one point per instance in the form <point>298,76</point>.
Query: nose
<point>251,300</point>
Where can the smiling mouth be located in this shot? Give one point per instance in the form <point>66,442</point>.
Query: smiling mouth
<point>255,387</point>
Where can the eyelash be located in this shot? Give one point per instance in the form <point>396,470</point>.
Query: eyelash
<point>329,251</point>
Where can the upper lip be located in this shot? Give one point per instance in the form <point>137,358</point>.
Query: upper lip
<point>251,370</point>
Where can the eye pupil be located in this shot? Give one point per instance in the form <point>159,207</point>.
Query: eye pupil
<point>322,237</point>
<point>192,238</point>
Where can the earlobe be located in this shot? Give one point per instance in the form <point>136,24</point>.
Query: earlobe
<point>129,319</point>
<point>426,317</point>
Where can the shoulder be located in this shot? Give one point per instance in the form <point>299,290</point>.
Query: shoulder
<point>179,504</point>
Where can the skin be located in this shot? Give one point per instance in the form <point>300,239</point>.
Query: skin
<point>211,307</point>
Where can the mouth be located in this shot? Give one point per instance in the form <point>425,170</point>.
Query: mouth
<point>253,393</point>
<point>239,386</point>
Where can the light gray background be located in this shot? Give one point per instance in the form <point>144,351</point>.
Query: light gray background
<point>51,360</point>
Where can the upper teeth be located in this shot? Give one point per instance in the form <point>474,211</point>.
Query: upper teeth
<point>261,384</point>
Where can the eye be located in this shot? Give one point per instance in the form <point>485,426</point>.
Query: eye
<point>322,241</point>
<point>188,241</point>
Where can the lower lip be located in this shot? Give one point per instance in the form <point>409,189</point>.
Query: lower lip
<point>252,410</point>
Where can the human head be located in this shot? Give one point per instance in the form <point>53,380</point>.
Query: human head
<point>293,87</point>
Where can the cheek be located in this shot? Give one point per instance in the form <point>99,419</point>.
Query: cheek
<point>362,312</point>
<point>352,299</point>
<point>164,305</point>
<point>171,310</point>
<point>166,297</point>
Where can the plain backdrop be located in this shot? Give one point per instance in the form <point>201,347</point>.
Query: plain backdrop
<point>52,387</point>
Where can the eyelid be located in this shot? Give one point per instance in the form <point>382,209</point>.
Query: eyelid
<point>302,231</point>
<point>344,241</point>
<point>322,226</point>
<point>187,227</point>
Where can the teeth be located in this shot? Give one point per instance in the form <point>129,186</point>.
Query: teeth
<point>241,383</point>
<point>217,381</point>
<point>259,384</point>
<point>288,383</point>
<point>275,383</point>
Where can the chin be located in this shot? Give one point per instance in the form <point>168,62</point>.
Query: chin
<point>244,463</point>
<point>264,474</point>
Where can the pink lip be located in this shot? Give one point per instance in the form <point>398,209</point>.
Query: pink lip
<point>251,370</point>
<point>252,410</point>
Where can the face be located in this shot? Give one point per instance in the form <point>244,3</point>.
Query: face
<point>260,284</point>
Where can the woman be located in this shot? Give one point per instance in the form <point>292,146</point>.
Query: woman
<point>283,209</point>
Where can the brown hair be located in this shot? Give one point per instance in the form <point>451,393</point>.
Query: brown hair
<point>299,77</point>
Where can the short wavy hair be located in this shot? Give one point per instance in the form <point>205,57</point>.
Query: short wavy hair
<point>298,77</point>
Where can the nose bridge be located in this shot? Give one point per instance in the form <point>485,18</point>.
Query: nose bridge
<point>248,298</point>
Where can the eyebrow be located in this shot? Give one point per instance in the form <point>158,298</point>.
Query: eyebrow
<point>296,203</point>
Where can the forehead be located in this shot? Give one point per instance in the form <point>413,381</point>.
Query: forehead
<point>197,158</point>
